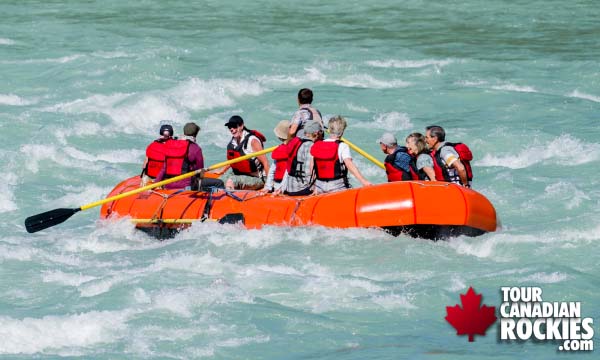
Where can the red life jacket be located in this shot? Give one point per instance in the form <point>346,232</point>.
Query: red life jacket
<point>327,162</point>
<point>280,156</point>
<point>441,170</point>
<point>155,152</point>
<point>295,168</point>
<point>395,173</point>
<point>176,158</point>
<point>246,167</point>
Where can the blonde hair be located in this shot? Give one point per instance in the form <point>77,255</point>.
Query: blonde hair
<point>337,125</point>
<point>419,142</point>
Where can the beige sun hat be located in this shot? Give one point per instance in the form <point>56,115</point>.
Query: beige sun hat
<point>281,130</point>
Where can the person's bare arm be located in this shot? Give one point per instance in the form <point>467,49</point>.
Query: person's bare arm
<point>354,170</point>
<point>256,146</point>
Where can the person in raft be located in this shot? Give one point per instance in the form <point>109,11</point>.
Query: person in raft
<point>248,174</point>
<point>446,161</point>
<point>299,179</point>
<point>278,168</point>
<point>305,113</point>
<point>155,153</point>
<point>332,160</point>
<point>422,159</point>
<point>398,163</point>
<point>182,156</point>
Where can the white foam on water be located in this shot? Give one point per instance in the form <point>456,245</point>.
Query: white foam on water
<point>81,128</point>
<point>7,195</point>
<point>141,113</point>
<point>63,278</point>
<point>393,302</point>
<point>237,342</point>
<point>456,284</point>
<point>183,301</point>
<point>392,121</point>
<point>53,333</point>
<point>369,82</point>
<point>111,236</point>
<point>408,64</point>
<point>325,291</point>
<point>545,278</point>
<point>357,108</point>
<point>100,286</point>
<point>18,253</point>
<point>206,264</point>
<point>14,100</point>
<point>564,150</point>
<point>275,269</point>
<point>70,157</point>
<point>5,41</point>
<point>126,156</point>
<point>314,75</point>
<point>571,195</point>
<point>197,94</point>
<point>79,195</point>
<point>515,88</point>
<point>581,95</point>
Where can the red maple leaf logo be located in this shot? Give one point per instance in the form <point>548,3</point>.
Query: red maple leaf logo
<point>471,319</point>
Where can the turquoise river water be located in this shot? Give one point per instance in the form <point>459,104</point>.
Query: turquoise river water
<point>85,84</point>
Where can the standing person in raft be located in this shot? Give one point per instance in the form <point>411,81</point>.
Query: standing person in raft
<point>332,160</point>
<point>155,154</point>
<point>248,174</point>
<point>398,163</point>
<point>305,113</point>
<point>447,163</point>
<point>183,156</point>
<point>278,169</point>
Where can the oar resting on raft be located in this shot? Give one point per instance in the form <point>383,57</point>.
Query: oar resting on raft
<point>50,218</point>
<point>363,153</point>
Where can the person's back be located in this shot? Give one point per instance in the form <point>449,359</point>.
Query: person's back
<point>332,160</point>
<point>155,154</point>
<point>300,174</point>
<point>305,113</point>
<point>182,156</point>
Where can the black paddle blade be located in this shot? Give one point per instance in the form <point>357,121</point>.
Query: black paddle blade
<point>233,218</point>
<point>48,219</point>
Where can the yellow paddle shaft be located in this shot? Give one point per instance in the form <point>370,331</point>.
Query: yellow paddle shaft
<point>176,178</point>
<point>363,153</point>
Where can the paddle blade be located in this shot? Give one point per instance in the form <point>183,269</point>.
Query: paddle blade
<point>233,218</point>
<point>48,219</point>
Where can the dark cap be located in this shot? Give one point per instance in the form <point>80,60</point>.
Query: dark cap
<point>235,120</point>
<point>166,128</point>
<point>191,129</point>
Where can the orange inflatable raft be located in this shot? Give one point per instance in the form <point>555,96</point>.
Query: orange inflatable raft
<point>425,209</point>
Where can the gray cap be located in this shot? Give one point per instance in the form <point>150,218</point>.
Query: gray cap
<point>312,127</point>
<point>388,139</point>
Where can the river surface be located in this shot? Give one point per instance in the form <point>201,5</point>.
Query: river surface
<point>84,86</point>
